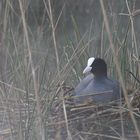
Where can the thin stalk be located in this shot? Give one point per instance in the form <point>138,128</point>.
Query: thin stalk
<point>54,36</point>
<point>66,120</point>
<point>134,43</point>
<point>41,134</point>
<point>118,67</point>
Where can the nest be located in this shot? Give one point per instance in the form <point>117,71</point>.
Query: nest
<point>92,122</point>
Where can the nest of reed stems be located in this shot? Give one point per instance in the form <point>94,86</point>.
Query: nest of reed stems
<point>92,122</point>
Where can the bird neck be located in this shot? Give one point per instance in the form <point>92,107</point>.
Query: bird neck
<point>100,76</point>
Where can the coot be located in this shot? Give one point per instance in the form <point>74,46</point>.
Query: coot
<point>97,86</point>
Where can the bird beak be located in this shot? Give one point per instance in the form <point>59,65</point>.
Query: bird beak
<point>87,69</point>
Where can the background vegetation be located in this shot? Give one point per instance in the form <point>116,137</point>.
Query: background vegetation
<point>46,43</point>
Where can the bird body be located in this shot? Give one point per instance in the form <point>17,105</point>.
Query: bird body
<point>83,84</point>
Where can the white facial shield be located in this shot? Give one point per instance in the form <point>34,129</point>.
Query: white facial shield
<point>88,67</point>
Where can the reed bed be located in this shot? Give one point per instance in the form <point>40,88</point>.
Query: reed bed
<point>42,60</point>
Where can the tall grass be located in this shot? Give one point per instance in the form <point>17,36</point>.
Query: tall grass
<point>39,58</point>
<point>117,64</point>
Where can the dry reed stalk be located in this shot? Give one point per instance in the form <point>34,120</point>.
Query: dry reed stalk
<point>133,35</point>
<point>54,26</point>
<point>41,131</point>
<point>66,120</point>
<point>118,67</point>
<point>103,135</point>
<point>134,43</point>
<point>54,35</point>
<point>15,88</point>
<point>69,65</point>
